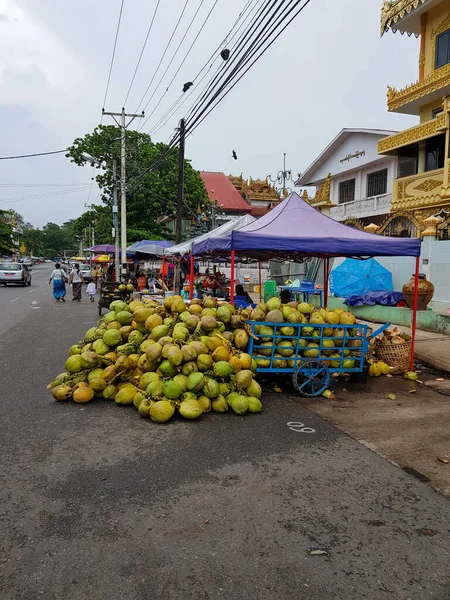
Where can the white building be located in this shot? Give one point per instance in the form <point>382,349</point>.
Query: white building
<point>361,180</point>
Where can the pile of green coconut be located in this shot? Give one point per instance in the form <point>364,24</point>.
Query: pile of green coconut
<point>164,359</point>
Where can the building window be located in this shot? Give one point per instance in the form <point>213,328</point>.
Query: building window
<point>377,183</point>
<point>346,191</point>
<point>435,152</point>
<point>408,160</point>
<point>442,49</point>
<point>436,112</point>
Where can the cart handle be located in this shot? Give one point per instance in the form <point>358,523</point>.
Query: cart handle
<point>378,331</point>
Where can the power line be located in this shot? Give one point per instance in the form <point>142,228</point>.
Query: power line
<point>48,195</point>
<point>183,61</point>
<point>176,105</point>
<point>142,52</point>
<point>113,53</point>
<point>163,55</point>
<point>32,155</point>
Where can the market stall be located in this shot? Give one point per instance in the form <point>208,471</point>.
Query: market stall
<point>294,230</point>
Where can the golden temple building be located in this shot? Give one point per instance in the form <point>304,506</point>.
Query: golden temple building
<point>259,193</point>
<point>422,186</point>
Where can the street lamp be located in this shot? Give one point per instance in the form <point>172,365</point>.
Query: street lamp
<point>282,177</point>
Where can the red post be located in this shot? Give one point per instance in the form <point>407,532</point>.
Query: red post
<point>191,283</point>
<point>162,274</point>
<point>414,315</point>
<point>232,278</point>
<point>326,268</point>
<point>260,281</point>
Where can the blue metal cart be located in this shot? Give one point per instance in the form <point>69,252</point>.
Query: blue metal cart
<point>310,352</point>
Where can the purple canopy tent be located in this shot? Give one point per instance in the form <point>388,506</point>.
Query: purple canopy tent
<point>295,229</point>
<point>102,249</point>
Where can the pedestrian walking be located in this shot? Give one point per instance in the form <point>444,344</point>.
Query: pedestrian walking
<point>94,274</point>
<point>59,279</point>
<point>76,279</point>
<point>91,290</point>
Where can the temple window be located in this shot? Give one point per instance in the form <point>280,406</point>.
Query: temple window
<point>346,191</point>
<point>377,183</point>
<point>435,153</point>
<point>408,160</point>
<point>442,49</point>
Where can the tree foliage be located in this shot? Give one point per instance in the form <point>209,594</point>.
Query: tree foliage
<point>5,232</point>
<point>151,196</point>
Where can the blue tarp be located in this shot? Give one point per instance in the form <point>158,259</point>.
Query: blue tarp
<point>357,277</point>
<point>295,229</point>
<point>371,298</point>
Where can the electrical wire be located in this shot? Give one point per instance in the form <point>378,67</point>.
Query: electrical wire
<point>183,61</point>
<point>113,53</point>
<point>190,127</point>
<point>48,195</point>
<point>163,55</point>
<point>176,105</point>
<point>32,155</point>
<point>142,52</point>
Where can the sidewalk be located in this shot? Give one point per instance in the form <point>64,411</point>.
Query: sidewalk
<point>431,349</point>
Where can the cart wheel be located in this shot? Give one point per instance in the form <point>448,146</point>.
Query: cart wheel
<point>311,378</point>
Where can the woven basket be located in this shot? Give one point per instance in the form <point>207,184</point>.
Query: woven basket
<point>396,355</point>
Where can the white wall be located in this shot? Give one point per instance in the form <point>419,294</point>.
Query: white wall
<point>360,175</point>
<point>355,142</point>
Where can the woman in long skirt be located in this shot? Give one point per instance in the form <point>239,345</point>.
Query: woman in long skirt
<point>76,279</point>
<point>59,279</point>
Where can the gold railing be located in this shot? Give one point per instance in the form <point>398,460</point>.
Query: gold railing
<point>418,191</point>
<point>436,81</point>
<point>412,135</point>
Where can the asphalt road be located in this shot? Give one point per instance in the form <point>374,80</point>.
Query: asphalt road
<point>96,503</point>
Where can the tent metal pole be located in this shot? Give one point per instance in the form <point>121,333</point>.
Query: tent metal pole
<point>163,264</point>
<point>232,278</point>
<point>414,315</point>
<point>326,268</point>
<point>191,282</point>
<point>260,281</point>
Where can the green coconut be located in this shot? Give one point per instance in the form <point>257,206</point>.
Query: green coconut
<point>254,389</point>
<point>188,353</point>
<point>239,404</point>
<point>153,352</point>
<point>74,364</point>
<point>158,332</point>
<point>273,304</point>
<point>222,369</point>
<point>100,348</point>
<point>112,338</point>
<point>155,388</point>
<point>98,385</point>
<point>199,347</point>
<point>195,382</point>
<point>138,397</point>
<point>204,362</point>
<point>208,323</point>
<point>144,408</point>
<point>175,356</point>
<point>171,390</point>
<point>254,405</point>
<point>243,379</point>
<point>146,379</point>
<point>124,317</point>
<point>161,412</point>
<point>181,380</point>
<point>167,369</point>
<point>125,396</point>
<point>110,392</point>
<point>205,403</point>
<point>89,360</point>
<point>189,367</point>
<point>219,404</point>
<point>211,388</point>
<point>190,409</point>
<point>285,348</point>
<point>224,389</point>
<point>274,316</point>
<point>135,337</point>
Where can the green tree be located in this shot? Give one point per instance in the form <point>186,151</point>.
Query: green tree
<point>34,240</point>
<point>150,195</point>
<point>58,239</point>
<point>5,232</point>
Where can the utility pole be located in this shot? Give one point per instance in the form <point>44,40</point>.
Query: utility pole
<point>116,221</point>
<point>180,201</point>
<point>123,174</point>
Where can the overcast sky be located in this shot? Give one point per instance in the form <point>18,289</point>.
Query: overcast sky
<point>327,71</point>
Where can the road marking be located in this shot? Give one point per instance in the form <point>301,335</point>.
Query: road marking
<point>300,427</point>
<point>16,299</point>
<point>31,291</point>
<point>42,285</point>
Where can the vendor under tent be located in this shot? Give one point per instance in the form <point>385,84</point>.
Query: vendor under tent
<point>295,230</point>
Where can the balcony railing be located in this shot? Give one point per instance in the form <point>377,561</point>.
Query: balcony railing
<point>413,134</point>
<point>367,207</point>
<point>434,85</point>
<point>418,191</point>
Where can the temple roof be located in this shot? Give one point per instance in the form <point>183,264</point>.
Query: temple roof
<point>404,15</point>
<point>221,190</point>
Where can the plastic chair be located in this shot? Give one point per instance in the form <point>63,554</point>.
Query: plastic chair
<point>270,290</point>
<point>240,302</point>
